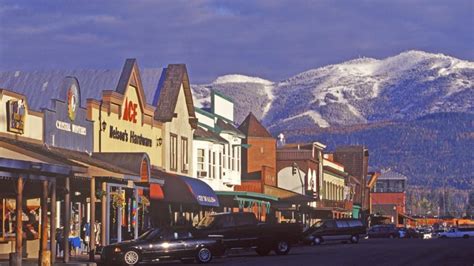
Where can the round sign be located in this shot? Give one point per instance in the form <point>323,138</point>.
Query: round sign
<point>72,100</point>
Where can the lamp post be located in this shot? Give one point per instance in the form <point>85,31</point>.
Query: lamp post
<point>295,166</point>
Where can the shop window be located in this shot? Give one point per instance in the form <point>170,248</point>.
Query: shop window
<point>210,163</point>
<point>238,159</point>
<point>233,159</point>
<point>220,165</point>
<point>213,166</point>
<point>184,155</point>
<point>173,152</point>
<point>200,159</point>
<point>225,157</point>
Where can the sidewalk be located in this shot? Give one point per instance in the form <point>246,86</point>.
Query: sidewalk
<point>80,260</point>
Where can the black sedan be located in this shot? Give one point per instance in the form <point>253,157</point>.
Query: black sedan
<point>163,244</point>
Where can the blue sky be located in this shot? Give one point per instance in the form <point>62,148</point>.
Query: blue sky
<point>270,39</point>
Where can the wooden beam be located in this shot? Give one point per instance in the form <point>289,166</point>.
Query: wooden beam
<point>52,218</point>
<point>67,219</point>
<point>103,223</point>
<point>19,222</point>
<point>92,222</point>
<point>44,256</point>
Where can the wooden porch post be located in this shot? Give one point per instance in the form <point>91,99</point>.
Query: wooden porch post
<point>92,222</point>
<point>16,259</point>
<point>67,218</point>
<point>52,218</point>
<point>103,223</point>
<point>44,256</point>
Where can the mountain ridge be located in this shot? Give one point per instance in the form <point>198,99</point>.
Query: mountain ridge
<point>421,103</point>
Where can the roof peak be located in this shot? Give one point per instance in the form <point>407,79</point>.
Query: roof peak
<point>252,127</point>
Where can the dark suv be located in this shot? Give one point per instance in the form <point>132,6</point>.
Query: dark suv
<point>383,231</point>
<point>334,230</point>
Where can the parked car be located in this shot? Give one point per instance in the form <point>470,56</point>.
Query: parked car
<point>464,232</point>
<point>425,233</point>
<point>402,232</point>
<point>243,230</point>
<point>413,233</point>
<point>383,231</point>
<point>334,230</point>
<point>437,232</point>
<point>163,244</point>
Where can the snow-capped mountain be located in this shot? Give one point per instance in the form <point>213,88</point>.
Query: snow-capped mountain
<point>398,88</point>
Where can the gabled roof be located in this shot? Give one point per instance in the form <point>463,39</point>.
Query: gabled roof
<point>41,86</point>
<point>168,91</point>
<point>203,134</point>
<point>226,127</point>
<point>251,127</point>
<point>131,75</point>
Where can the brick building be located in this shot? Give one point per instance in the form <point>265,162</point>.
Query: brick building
<point>388,196</point>
<point>355,159</point>
<point>259,159</point>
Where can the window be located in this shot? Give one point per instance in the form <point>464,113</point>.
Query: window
<point>225,156</point>
<point>342,224</point>
<point>200,159</point>
<point>184,155</point>
<point>233,159</point>
<point>238,159</point>
<point>213,164</point>
<point>220,165</point>
<point>229,155</point>
<point>210,164</point>
<point>173,152</point>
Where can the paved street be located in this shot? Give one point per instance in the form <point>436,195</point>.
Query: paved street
<point>367,252</point>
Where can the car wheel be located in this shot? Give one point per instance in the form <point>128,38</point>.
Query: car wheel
<point>317,241</point>
<point>443,237</point>
<point>354,239</point>
<point>131,257</point>
<point>282,247</point>
<point>263,250</point>
<point>465,236</point>
<point>204,255</point>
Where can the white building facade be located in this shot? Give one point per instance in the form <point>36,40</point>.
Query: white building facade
<point>217,145</point>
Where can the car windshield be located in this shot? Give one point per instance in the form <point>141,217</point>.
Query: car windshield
<point>150,234</point>
<point>205,222</point>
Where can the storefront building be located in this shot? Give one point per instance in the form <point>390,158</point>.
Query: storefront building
<point>126,134</point>
<point>29,171</point>
<point>217,145</point>
<point>175,110</point>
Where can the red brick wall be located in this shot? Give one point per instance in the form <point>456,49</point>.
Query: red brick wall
<point>250,186</point>
<point>269,176</point>
<point>262,152</point>
<point>389,198</point>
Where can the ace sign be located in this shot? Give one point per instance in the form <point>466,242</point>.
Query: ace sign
<point>130,111</point>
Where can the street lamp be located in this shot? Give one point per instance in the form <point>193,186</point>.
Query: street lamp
<point>296,167</point>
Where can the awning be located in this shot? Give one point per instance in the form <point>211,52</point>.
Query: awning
<point>183,189</point>
<point>246,199</point>
<point>406,216</point>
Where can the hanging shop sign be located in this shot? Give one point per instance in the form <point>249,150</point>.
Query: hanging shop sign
<point>16,116</point>
<point>66,123</point>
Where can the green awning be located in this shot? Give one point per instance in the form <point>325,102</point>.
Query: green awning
<point>246,194</point>
<point>356,211</point>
